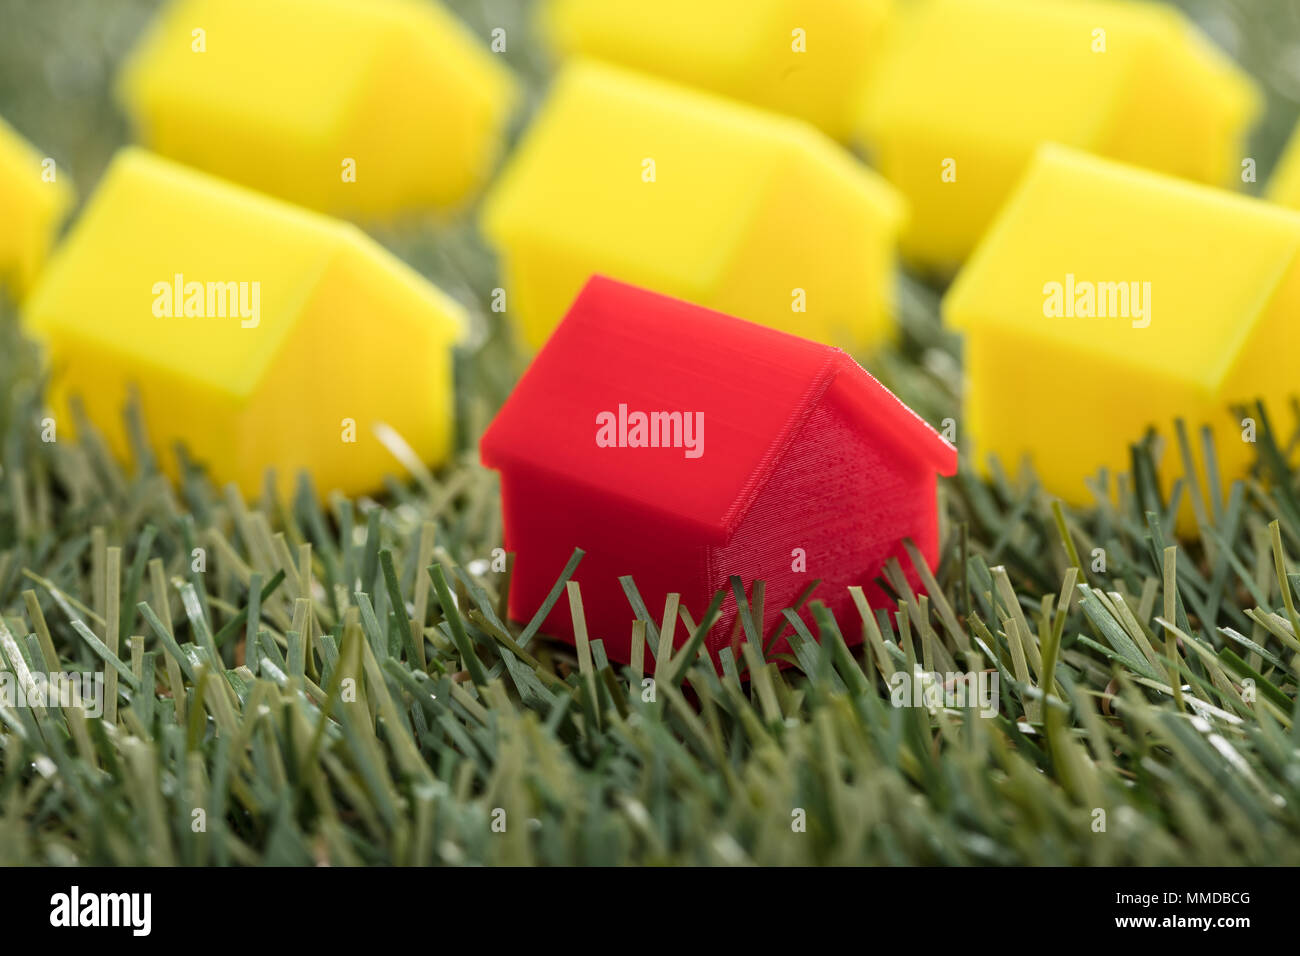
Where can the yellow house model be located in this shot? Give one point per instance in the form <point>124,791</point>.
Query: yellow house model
<point>259,334</point>
<point>1284,186</point>
<point>969,88</point>
<point>686,193</point>
<point>34,197</point>
<point>364,109</point>
<point>810,60</point>
<point>1105,299</point>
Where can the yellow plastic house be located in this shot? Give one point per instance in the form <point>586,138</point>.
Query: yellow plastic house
<point>696,196</point>
<point>363,109</point>
<point>259,334</point>
<point>1107,298</point>
<point>810,60</point>
<point>34,197</point>
<point>969,88</point>
<point>1284,186</point>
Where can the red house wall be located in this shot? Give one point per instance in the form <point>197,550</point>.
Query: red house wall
<point>848,502</point>
<point>839,494</point>
<point>546,518</point>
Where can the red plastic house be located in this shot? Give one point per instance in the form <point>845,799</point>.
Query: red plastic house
<point>680,446</point>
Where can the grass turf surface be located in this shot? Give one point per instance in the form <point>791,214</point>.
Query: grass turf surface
<point>462,715</point>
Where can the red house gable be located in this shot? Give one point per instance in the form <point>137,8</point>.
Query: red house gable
<point>752,386</point>
<point>649,431</point>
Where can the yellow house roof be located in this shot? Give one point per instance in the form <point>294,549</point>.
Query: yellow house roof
<point>1284,186</point>
<point>31,208</point>
<point>806,59</point>
<point>152,221</point>
<point>283,91</point>
<point>980,84</point>
<point>947,47</point>
<point>689,194</point>
<point>576,175</point>
<point>1209,262</point>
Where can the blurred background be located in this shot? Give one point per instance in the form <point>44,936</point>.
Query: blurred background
<point>59,58</point>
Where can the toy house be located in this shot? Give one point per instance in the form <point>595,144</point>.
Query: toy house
<point>680,446</point>
<point>809,60</point>
<point>690,194</point>
<point>259,334</point>
<point>364,110</point>
<point>1284,185</point>
<point>967,89</point>
<point>1108,299</point>
<point>34,197</point>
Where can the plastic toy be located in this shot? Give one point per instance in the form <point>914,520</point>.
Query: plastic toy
<point>968,89</point>
<point>809,60</point>
<point>1107,299</point>
<point>34,197</point>
<point>365,110</point>
<point>693,195</point>
<point>680,446</point>
<point>260,334</point>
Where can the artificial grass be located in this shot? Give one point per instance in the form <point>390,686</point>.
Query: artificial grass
<point>475,740</point>
<point>456,720</point>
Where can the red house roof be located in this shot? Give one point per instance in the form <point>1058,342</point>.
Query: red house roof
<point>754,386</point>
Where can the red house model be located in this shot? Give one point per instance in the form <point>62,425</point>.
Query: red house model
<point>681,446</point>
